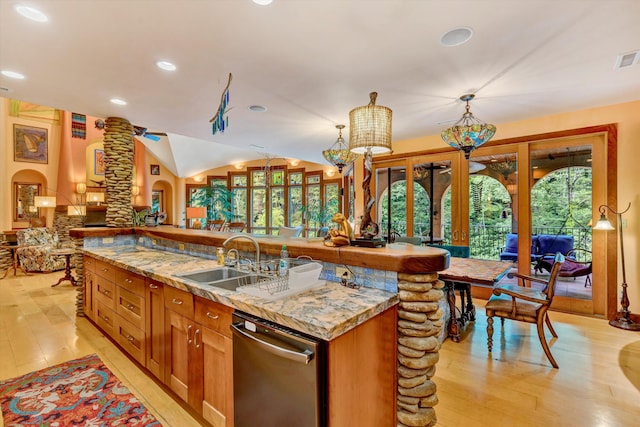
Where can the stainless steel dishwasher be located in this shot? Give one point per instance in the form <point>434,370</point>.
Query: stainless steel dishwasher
<point>278,375</point>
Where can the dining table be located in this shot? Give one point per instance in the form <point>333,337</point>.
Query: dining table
<point>459,276</point>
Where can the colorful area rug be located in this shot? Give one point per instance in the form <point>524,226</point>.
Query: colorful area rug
<point>81,392</point>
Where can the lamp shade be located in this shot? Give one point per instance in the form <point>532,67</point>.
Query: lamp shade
<point>339,154</point>
<point>370,128</point>
<point>95,197</point>
<point>603,224</point>
<point>468,133</point>
<point>44,201</point>
<point>135,190</point>
<point>199,212</point>
<point>81,188</point>
<point>80,210</point>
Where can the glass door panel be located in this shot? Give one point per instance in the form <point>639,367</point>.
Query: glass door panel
<point>391,214</point>
<point>432,201</point>
<point>561,211</point>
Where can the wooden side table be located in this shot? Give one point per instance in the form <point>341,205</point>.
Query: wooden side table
<point>67,253</point>
<point>16,263</point>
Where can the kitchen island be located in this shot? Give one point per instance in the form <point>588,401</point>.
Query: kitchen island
<point>375,349</point>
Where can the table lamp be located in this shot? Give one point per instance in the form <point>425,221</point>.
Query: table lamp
<point>195,213</point>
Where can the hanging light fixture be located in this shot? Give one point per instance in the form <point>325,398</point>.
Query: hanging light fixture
<point>339,154</point>
<point>468,133</point>
<point>370,133</point>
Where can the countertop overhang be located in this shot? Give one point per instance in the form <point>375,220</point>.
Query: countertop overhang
<point>406,259</point>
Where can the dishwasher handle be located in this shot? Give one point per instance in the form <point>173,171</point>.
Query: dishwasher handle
<point>303,357</point>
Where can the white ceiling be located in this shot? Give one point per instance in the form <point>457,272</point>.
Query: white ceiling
<point>310,62</point>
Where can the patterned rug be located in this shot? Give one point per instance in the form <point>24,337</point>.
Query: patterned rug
<point>81,392</point>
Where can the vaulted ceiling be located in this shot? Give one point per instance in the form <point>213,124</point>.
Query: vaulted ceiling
<point>309,62</point>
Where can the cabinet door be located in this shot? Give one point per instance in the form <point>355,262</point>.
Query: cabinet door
<point>154,307</point>
<point>179,335</point>
<point>217,374</point>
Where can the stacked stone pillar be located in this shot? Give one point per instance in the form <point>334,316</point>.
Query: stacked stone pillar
<point>118,153</point>
<point>419,325</point>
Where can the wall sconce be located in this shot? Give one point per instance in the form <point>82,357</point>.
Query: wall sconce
<point>238,166</point>
<point>622,319</point>
<point>81,188</point>
<point>195,213</point>
<point>294,162</point>
<point>44,201</point>
<point>135,191</point>
<point>198,178</point>
<point>95,198</point>
<point>331,173</point>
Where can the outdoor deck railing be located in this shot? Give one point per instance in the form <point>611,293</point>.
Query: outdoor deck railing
<point>487,241</point>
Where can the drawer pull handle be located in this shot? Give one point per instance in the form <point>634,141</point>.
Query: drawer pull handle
<point>195,338</point>
<point>211,316</point>
<point>189,333</point>
<point>106,292</point>
<point>130,338</point>
<point>152,286</point>
<point>105,269</point>
<point>177,301</point>
<point>105,318</point>
<point>131,306</point>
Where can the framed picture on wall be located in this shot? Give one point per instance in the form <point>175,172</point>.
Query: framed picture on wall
<point>98,162</point>
<point>30,144</point>
<point>155,169</point>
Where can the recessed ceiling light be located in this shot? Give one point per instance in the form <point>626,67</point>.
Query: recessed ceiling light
<point>166,65</point>
<point>118,101</point>
<point>31,13</point>
<point>257,108</point>
<point>12,74</point>
<point>263,2</point>
<point>456,36</point>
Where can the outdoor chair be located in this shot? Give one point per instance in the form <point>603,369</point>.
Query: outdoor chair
<point>572,267</point>
<point>525,304</point>
<point>411,240</point>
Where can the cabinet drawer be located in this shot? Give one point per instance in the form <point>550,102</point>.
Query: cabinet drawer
<point>89,263</point>
<point>131,339</point>
<point>105,270</point>
<point>105,318</point>
<point>104,292</point>
<point>130,306</point>
<point>130,281</point>
<point>213,315</point>
<point>179,301</point>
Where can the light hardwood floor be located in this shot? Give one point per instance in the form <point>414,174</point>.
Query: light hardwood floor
<point>598,383</point>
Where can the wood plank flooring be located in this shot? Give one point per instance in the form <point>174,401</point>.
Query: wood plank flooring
<point>598,383</point>
<point>39,328</point>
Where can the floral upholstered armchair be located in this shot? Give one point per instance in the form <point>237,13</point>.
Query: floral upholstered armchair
<point>34,251</point>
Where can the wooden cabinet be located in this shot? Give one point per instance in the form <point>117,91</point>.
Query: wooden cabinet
<point>154,327</point>
<point>199,355</point>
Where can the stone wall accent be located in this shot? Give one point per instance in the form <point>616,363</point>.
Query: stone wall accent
<point>419,326</point>
<point>6,260</point>
<point>118,153</point>
<point>79,244</point>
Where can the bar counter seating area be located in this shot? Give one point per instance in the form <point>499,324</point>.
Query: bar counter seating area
<point>221,214</point>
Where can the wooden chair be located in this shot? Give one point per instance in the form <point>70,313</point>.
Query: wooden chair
<point>522,303</point>
<point>235,227</point>
<point>215,224</point>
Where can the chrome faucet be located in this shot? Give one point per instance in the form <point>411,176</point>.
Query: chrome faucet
<point>252,240</point>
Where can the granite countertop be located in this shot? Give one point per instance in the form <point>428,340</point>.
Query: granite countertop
<point>325,312</point>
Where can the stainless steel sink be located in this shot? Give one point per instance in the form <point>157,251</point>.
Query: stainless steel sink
<point>213,275</point>
<point>223,277</point>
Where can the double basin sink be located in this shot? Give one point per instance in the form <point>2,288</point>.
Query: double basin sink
<point>223,277</point>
